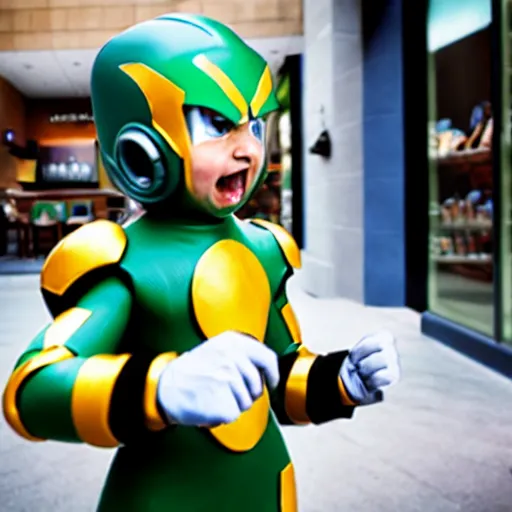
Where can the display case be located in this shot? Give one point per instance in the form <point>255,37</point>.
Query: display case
<point>461,188</point>
<point>469,303</point>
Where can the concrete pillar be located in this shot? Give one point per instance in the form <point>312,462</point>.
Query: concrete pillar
<point>332,99</point>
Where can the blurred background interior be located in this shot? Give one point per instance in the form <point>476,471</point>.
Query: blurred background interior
<point>389,159</point>
<point>51,176</point>
<point>52,179</point>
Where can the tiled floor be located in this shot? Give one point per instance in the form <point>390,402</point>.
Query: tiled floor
<point>441,442</point>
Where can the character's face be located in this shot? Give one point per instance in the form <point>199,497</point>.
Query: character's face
<point>226,160</point>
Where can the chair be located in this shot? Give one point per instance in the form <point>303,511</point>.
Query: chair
<point>46,221</point>
<point>80,213</point>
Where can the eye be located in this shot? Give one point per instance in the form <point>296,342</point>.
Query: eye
<point>257,128</point>
<point>206,124</point>
<point>215,124</point>
<point>221,125</point>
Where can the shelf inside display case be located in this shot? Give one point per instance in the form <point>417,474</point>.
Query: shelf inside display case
<point>482,259</point>
<point>467,225</point>
<point>468,157</point>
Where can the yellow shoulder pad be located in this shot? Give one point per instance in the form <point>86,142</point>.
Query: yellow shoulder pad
<point>90,247</point>
<point>284,239</point>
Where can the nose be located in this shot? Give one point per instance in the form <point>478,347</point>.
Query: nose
<point>246,148</point>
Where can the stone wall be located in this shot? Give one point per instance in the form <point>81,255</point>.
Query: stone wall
<point>66,24</point>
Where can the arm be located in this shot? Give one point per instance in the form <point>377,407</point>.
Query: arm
<point>73,385</point>
<point>310,389</point>
<point>318,388</point>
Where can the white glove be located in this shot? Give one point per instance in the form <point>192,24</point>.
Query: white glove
<point>371,366</point>
<point>216,381</point>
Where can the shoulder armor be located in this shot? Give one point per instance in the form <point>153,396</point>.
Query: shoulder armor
<point>287,243</point>
<point>90,247</point>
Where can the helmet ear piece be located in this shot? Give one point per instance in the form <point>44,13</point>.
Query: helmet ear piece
<point>140,159</point>
<point>143,168</point>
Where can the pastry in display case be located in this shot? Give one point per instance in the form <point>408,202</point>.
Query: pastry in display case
<point>464,205</point>
<point>465,230</point>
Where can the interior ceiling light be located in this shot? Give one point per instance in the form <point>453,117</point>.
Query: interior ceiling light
<point>77,64</point>
<point>28,66</point>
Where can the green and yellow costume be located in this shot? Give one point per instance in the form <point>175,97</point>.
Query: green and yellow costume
<point>127,300</point>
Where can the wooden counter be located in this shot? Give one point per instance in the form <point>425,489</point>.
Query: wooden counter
<point>24,199</point>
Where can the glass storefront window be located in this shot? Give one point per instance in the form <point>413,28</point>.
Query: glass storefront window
<point>460,283</point>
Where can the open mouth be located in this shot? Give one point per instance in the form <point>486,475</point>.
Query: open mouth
<point>231,189</point>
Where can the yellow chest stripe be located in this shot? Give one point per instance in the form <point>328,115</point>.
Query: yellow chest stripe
<point>231,292</point>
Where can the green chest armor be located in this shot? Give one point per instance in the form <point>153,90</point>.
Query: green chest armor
<point>189,282</point>
<point>205,282</point>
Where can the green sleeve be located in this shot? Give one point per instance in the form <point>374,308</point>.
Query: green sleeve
<point>73,384</point>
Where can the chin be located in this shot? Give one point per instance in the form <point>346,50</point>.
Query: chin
<point>225,211</point>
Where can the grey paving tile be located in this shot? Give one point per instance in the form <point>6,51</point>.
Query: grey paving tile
<point>441,442</point>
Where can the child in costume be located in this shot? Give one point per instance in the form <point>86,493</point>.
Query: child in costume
<point>173,338</point>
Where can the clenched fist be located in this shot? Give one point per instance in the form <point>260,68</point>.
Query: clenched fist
<point>371,366</point>
<point>216,381</point>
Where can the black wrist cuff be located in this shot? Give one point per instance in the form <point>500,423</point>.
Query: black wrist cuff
<point>126,418</point>
<point>323,400</point>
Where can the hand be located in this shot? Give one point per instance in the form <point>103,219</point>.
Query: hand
<point>216,381</point>
<point>371,366</point>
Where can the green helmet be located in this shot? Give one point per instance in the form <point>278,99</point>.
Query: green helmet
<point>144,77</point>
